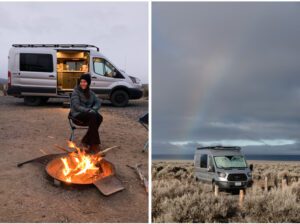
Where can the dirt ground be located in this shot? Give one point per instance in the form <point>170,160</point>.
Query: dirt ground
<point>26,195</point>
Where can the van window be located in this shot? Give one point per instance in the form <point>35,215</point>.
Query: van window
<point>36,62</point>
<point>99,66</point>
<point>211,163</point>
<point>111,71</point>
<point>104,68</point>
<point>203,161</point>
<point>237,161</point>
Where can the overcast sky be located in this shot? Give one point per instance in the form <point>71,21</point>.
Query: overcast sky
<point>119,29</point>
<point>226,73</point>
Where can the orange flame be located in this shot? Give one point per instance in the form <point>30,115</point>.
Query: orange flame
<point>79,164</point>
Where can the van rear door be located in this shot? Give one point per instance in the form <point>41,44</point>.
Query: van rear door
<point>37,72</point>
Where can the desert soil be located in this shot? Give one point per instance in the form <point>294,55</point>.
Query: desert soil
<point>27,195</point>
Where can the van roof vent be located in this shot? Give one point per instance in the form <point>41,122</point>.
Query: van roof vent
<point>219,147</point>
<point>57,45</point>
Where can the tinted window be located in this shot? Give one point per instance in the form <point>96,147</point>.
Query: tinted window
<point>203,161</point>
<point>36,62</point>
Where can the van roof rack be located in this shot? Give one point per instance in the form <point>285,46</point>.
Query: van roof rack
<point>57,45</point>
<point>220,147</point>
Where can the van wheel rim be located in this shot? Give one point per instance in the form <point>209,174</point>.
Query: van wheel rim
<point>120,98</point>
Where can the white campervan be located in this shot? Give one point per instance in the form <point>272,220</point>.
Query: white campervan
<point>223,166</point>
<point>40,71</point>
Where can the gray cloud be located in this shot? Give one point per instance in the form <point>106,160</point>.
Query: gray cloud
<point>119,29</point>
<point>226,71</point>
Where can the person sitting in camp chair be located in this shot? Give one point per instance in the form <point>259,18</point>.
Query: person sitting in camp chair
<point>84,108</point>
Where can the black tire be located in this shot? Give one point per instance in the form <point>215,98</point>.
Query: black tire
<point>119,98</point>
<point>33,100</point>
<point>45,100</point>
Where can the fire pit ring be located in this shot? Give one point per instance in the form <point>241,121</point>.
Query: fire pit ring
<point>106,182</point>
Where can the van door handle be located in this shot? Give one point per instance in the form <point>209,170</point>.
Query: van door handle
<point>51,76</point>
<point>94,77</point>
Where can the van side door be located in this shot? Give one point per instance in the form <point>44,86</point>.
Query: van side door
<point>201,168</point>
<point>37,73</point>
<point>210,168</point>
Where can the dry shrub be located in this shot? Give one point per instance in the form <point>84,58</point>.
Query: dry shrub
<point>194,207</point>
<point>184,201</point>
<point>295,188</point>
<point>145,90</point>
<point>177,197</point>
<point>273,206</point>
<point>178,171</point>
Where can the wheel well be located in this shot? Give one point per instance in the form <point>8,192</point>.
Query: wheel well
<point>119,88</point>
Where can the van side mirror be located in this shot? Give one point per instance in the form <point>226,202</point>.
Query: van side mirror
<point>251,167</point>
<point>210,169</point>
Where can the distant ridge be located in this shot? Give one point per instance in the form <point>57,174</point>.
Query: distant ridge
<point>3,81</point>
<point>248,157</point>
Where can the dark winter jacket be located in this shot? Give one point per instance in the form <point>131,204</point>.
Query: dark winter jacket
<point>79,103</point>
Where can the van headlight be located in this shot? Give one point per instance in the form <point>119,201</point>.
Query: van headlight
<point>223,175</point>
<point>249,174</point>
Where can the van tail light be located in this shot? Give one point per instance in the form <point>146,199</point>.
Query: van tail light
<point>9,79</point>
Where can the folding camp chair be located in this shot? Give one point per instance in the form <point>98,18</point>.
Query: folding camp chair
<point>74,123</point>
<point>144,121</point>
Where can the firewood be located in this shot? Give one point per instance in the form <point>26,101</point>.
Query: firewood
<point>103,152</point>
<point>42,151</point>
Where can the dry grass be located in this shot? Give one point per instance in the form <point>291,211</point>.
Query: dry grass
<point>145,90</point>
<point>3,89</point>
<point>177,197</point>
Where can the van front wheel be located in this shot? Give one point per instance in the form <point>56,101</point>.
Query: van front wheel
<point>33,100</point>
<point>119,98</point>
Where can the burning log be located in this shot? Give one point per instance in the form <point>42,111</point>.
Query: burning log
<point>79,167</point>
<point>72,145</point>
<point>143,179</point>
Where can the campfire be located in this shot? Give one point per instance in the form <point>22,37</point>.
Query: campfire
<point>80,168</point>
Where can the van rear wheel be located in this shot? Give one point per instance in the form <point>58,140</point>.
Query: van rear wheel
<point>119,98</point>
<point>45,100</point>
<point>33,100</point>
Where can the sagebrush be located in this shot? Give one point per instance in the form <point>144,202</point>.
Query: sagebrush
<point>177,197</point>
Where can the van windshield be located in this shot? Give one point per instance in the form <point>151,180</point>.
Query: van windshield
<point>228,162</point>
